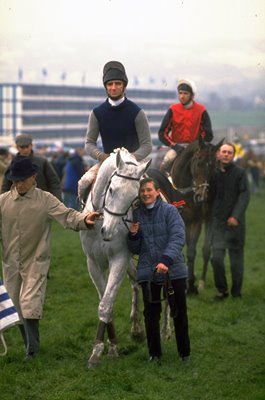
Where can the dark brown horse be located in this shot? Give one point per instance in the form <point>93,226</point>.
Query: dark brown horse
<point>191,174</point>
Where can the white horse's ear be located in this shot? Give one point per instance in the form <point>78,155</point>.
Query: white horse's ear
<point>144,167</point>
<point>118,157</point>
<point>148,163</point>
<point>218,145</point>
<point>119,160</point>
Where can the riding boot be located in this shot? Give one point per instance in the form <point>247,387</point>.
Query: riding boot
<point>32,335</point>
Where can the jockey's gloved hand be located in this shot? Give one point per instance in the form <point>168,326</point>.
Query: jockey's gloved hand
<point>102,157</point>
<point>203,141</point>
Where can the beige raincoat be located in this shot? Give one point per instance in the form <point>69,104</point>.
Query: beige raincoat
<point>25,233</point>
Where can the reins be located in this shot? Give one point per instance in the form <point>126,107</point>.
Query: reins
<point>190,189</point>
<point>168,293</point>
<point>116,214</point>
<point>105,208</point>
<point>193,188</point>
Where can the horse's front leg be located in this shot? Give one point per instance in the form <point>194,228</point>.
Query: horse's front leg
<point>166,327</point>
<point>98,346</point>
<point>112,340</point>
<point>117,270</point>
<point>98,278</point>
<point>192,235</point>
<point>206,253</point>
<point>137,331</point>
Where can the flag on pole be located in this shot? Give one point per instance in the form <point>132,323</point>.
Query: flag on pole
<point>8,314</point>
<point>20,74</point>
<point>63,76</point>
<point>151,80</point>
<point>135,81</point>
<point>164,82</point>
<point>44,72</point>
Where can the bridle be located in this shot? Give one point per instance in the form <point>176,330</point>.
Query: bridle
<point>125,213</point>
<point>116,214</point>
<point>194,187</point>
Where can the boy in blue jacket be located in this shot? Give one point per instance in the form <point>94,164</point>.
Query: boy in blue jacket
<point>158,237</point>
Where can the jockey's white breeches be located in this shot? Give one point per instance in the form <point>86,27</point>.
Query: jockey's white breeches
<point>170,156</point>
<point>87,179</point>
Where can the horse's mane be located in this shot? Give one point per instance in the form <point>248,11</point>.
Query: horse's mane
<point>181,164</point>
<point>187,153</point>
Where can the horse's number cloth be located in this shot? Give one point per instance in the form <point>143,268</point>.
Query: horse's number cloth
<point>8,313</point>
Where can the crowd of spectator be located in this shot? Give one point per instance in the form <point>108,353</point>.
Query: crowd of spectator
<point>59,171</point>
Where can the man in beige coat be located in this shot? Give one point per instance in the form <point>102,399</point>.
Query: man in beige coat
<point>26,213</point>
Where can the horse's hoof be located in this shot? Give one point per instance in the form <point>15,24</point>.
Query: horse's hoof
<point>93,362</point>
<point>95,357</point>
<point>91,365</point>
<point>138,336</point>
<point>201,284</point>
<point>113,351</point>
<point>165,336</point>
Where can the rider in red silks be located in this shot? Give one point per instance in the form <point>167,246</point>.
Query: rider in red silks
<point>183,123</point>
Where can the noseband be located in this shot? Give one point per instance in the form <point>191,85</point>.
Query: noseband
<point>195,187</point>
<point>116,214</point>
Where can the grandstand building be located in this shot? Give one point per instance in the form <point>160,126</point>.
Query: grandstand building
<point>52,113</point>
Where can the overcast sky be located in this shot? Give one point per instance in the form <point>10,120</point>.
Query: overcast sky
<point>159,41</point>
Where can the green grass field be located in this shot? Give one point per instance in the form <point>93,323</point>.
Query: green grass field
<point>227,339</point>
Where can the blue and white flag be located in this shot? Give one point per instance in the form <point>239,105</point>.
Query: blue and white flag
<point>8,314</point>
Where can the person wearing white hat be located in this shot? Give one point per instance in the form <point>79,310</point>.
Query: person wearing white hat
<point>183,123</point>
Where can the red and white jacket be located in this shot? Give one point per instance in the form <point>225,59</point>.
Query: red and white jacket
<point>182,125</point>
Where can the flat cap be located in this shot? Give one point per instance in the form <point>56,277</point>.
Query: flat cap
<point>23,139</point>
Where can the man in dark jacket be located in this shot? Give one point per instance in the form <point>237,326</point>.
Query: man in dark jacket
<point>47,179</point>
<point>230,199</point>
<point>158,236</point>
<point>73,171</point>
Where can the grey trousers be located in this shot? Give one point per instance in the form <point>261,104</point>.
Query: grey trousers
<point>30,334</point>
<point>236,258</point>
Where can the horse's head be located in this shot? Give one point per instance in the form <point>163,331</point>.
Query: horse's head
<point>202,167</point>
<point>122,190</point>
